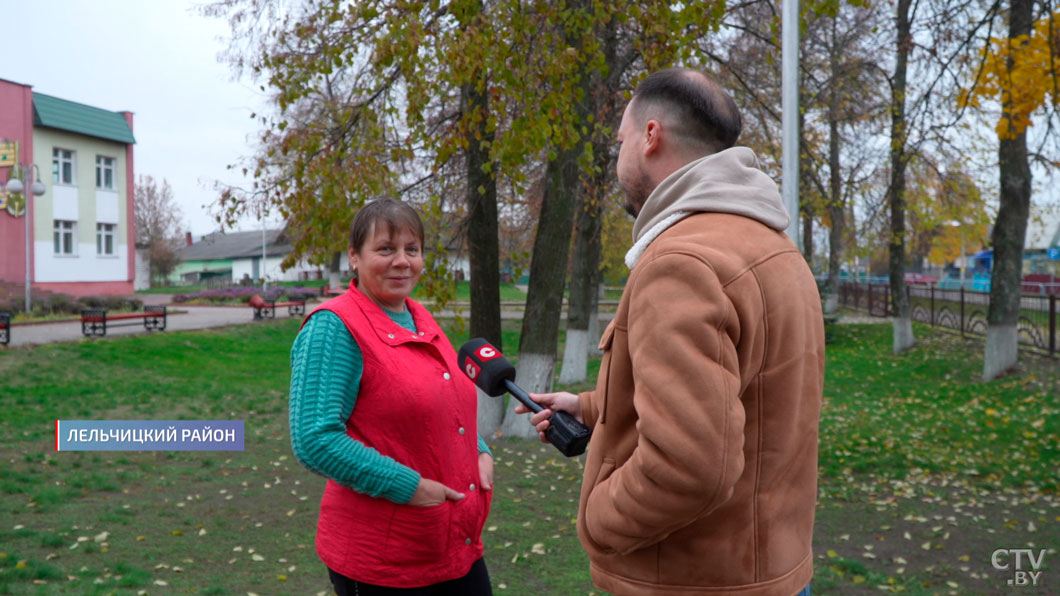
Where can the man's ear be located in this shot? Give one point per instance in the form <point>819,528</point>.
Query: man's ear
<point>652,137</point>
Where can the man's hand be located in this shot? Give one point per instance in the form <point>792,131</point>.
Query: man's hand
<point>431,492</point>
<point>568,402</point>
<point>485,471</point>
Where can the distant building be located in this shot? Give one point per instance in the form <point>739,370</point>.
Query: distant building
<point>1042,246</point>
<point>221,259</point>
<point>81,233</point>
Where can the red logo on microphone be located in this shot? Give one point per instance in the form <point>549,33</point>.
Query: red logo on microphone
<point>471,369</point>
<point>487,352</point>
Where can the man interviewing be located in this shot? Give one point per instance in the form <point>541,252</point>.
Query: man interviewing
<point>701,475</point>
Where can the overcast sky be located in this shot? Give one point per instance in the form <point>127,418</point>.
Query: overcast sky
<point>155,58</point>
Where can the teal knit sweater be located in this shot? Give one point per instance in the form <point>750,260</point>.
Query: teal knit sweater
<point>326,367</point>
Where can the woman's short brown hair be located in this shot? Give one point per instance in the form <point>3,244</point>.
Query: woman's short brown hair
<point>396,215</point>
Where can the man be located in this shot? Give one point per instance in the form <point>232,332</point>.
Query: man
<point>701,475</point>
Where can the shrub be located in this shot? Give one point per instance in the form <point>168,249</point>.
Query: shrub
<point>300,293</point>
<point>12,304</point>
<point>58,304</point>
<point>242,294</point>
<point>110,303</point>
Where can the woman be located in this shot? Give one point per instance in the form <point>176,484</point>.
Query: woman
<point>379,407</point>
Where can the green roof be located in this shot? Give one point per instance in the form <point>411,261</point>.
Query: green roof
<point>76,117</point>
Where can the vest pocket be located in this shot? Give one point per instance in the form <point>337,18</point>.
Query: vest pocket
<point>467,519</point>
<point>418,535</point>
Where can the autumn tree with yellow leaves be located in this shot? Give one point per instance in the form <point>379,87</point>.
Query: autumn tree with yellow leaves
<point>1020,71</point>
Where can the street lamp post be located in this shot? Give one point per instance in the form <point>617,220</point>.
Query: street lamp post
<point>14,185</point>
<point>264,283</point>
<point>964,260</point>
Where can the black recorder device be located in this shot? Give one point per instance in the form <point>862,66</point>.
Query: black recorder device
<point>492,373</point>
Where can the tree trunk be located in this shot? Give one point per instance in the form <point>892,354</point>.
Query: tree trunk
<point>548,264</point>
<point>335,272</point>
<point>482,227</point>
<point>594,319</point>
<point>582,308</point>
<point>585,279</point>
<point>807,236</point>
<point>806,207</point>
<point>544,299</point>
<point>903,326</point>
<point>836,211</point>
<point>482,242</point>
<point>1002,346</point>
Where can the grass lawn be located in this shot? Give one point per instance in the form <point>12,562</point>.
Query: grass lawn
<point>924,473</point>
<point>509,293</point>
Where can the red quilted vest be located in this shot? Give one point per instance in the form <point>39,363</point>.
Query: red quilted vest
<point>415,406</point>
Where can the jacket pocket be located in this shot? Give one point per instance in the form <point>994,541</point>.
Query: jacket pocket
<point>607,466</point>
<point>608,335</point>
<point>604,374</point>
<point>593,516</point>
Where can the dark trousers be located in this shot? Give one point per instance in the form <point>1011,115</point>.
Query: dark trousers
<point>475,583</point>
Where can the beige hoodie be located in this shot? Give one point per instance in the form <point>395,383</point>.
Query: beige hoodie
<point>729,181</point>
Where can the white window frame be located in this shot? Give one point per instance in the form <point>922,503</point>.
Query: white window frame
<point>105,165</point>
<point>105,239</point>
<point>64,238</point>
<point>61,157</point>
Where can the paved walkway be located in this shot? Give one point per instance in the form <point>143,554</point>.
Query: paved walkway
<point>863,319</point>
<point>186,317</point>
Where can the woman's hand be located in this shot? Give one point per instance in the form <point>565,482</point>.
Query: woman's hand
<point>485,471</point>
<point>431,492</point>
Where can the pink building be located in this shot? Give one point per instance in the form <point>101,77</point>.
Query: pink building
<point>81,229</point>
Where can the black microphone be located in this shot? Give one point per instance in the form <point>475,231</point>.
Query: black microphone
<point>493,374</point>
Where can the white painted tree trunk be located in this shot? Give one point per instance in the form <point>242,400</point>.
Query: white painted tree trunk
<point>575,356</point>
<point>903,334</point>
<point>1001,352</point>
<point>831,303</point>
<point>534,375</point>
<point>490,413</point>
<point>334,273</point>
<point>594,332</point>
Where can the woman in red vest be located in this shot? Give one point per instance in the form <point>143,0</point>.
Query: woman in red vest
<point>379,407</point>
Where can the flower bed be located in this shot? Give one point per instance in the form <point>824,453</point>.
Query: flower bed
<point>53,305</point>
<point>241,295</point>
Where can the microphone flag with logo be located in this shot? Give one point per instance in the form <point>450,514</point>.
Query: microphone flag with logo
<point>485,365</point>
<point>493,374</point>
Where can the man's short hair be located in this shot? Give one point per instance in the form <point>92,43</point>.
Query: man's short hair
<point>705,114</point>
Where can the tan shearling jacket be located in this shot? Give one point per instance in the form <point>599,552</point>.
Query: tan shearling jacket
<point>701,475</point>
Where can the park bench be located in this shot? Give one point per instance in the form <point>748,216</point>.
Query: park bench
<point>94,321</point>
<point>267,308</point>
<point>330,292</point>
<point>5,328</point>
